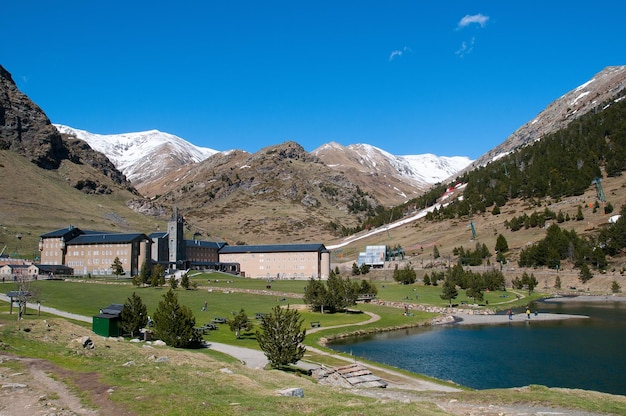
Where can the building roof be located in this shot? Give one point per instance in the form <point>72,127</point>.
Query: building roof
<point>206,244</point>
<point>274,248</point>
<point>113,310</point>
<point>53,268</point>
<point>158,234</point>
<point>17,266</point>
<point>67,233</point>
<point>108,238</point>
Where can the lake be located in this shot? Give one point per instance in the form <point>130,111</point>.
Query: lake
<point>587,354</point>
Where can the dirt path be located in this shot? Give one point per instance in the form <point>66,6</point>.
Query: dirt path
<point>41,388</point>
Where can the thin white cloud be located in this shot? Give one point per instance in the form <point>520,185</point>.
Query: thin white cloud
<point>399,52</point>
<point>479,19</point>
<point>466,48</point>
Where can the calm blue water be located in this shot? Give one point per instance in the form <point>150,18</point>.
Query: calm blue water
<point>588,354</point>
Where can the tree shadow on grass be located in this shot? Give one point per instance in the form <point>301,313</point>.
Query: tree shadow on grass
<point>299,372</point>
<point>248,335</point>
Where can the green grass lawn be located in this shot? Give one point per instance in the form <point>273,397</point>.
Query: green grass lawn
<point>200,387</point>
<point>225,295</point>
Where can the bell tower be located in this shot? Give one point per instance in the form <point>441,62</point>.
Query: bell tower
<point>176,240</point>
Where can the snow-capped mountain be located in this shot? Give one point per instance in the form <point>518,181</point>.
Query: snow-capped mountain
<point>148,159</point>
<point>426,169</point>
<point>142,156</point>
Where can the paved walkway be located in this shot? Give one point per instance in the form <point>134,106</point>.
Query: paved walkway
<point>48,309</point>
<point>256,359</point>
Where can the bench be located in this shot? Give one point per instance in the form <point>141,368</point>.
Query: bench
<point>210,326</point>
<point>260,315</point>
<point>315,324</point>
<point>219,320</point>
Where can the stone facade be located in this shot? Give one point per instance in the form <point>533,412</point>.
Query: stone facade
<point>285,261</point>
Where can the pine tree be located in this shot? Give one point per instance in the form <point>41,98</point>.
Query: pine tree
<point>184,282</point>
<point>239,322</point>
<point>174,323</point>
<point>117,268</point>
<point>585,274</point>
<point>435,252</point>
<point>449,291</point>
<point>134,315</point>
<point>579,214</point>
<point>173,282</point>
<point>502,246</point>
<point>145,273</point>
<point>282,336</point>
<point>157,274</point>
<point>615,287</point>
<point>426,280</point>
<point>529,281</point>
<point>315,294</point>
<point>406,276</point>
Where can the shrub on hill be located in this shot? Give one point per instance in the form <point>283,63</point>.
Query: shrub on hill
<point>174,323</point>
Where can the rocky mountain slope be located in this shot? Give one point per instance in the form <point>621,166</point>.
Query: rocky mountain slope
<point>392,179</point>
<point>147,158</point>
<point>587,97</point>
<point>26,130</point>
<point>281,193</point>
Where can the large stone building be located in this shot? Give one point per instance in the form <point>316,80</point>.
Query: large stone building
<point>279,261</point>
<point>92,252</point>
<point>171,250</point>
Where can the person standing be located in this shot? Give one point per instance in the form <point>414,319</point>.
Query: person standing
<point>510,313</point>
<point>528,313</point>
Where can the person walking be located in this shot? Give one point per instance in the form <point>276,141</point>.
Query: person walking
<point>510,313</point>
<point>528,313</point>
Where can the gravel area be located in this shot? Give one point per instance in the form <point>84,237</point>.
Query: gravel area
<point>504,319</point>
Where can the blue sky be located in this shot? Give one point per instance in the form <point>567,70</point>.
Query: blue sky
<point>445,77</point>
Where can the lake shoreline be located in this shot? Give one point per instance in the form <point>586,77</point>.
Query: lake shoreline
<point>500,319</point>
<point>586,298</point>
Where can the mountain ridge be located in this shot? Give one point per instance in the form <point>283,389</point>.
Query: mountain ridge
<point>281,194</point>
<point>559,113</point>
<point>146,157</point>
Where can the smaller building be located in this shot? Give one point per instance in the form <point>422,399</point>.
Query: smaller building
<point>373,256</point>
<point>17,271</point>
<point>107,322</point>
<point>279,261</point>
<point>50,271</point>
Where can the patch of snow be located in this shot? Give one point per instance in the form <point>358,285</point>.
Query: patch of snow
<point>499,156</point>
<point>581,95</point>
<point>584,85</point>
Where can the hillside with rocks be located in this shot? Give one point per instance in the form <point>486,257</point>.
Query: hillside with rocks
<point>605,85</point>
<point>26,130</point>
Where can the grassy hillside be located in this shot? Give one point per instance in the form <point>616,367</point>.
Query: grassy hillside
<point>419,238</point>
<point>141,379</point>
<point>35,201</point>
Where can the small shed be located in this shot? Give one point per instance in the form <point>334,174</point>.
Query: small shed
<point>107,322</point>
